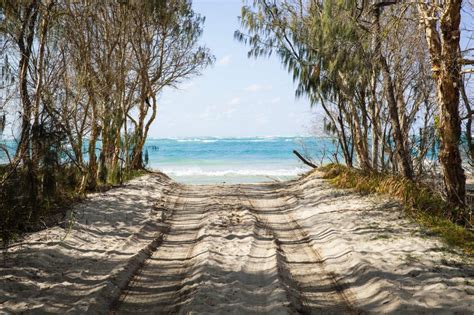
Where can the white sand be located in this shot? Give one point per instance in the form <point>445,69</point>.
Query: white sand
<point>83,273</point>
<point>279,248</point>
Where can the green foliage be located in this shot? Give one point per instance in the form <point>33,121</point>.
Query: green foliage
<point>321,45</point>
<point>422,204</point>
<point>15,204</point>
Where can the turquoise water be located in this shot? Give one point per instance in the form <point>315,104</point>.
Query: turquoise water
<point>230,160</point>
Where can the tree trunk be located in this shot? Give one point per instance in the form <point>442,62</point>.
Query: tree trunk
<point>27,33</point>
<point>443,44</point>
<point>403,154</point>
<point>374,113</point>
<point>36,145</point>
<point>92,170</point>
<point>375,134</point>
<point>360,140</point>
<point>469,116</point>
<point>143,129</point>
<point>345,142</point>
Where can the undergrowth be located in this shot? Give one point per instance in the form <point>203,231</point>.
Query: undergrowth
<point>20,214</point>
<point>421,203</point>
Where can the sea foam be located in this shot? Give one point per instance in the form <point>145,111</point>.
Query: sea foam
<point>196,171</point>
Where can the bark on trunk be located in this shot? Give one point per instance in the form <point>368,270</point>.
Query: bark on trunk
<point>443,44</point>
<point>402,151</point>
<point>137,162</point>
<point>92,169</point>
<point>26,34</point>
<point>360,140</point>
<point>469,116</point>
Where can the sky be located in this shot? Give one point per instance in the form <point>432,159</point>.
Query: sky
<point>237,96</point>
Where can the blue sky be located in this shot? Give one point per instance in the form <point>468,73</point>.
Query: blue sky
<point>238,96</point>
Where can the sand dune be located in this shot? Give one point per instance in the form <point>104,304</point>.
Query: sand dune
<point>155,246</point>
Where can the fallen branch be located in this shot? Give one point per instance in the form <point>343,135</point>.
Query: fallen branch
<point>305,161</point>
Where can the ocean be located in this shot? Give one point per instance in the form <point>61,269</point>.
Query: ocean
<point>208,160</point>
<point>233,160</point>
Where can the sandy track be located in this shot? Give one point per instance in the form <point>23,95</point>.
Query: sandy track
<point>157,247</point>
<point>297,247</point>
<point>218,257</point>
<point>312,288</point>
<point>158,285</point>
<point>235,249</point>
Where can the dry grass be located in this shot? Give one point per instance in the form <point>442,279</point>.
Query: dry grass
<point>422,204</point>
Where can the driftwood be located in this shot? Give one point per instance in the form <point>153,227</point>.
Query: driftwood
<point>305,161</point>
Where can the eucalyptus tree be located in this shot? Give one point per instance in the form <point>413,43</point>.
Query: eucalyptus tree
<point>335,59</point>
<point>166,51</point>
<point>401,57</point>
<point>441,23</point>
<point>85,77</point>
<point>89,73</point>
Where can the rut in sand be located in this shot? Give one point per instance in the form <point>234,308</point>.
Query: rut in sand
<point>233,249</point>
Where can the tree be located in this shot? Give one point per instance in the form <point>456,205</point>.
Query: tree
<point>441,25</point>
<point>165,47</point>
<point>86,79</point>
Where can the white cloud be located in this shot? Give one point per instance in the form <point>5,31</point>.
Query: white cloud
<point>275,100</point>
<point>224,61</point>
<point>258,88</point>
<point>235,101</point>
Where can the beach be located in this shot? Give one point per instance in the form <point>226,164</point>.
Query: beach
<point>298,246</point>
<point>211,160</point>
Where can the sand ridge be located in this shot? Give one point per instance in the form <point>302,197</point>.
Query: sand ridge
<point>271,248</point>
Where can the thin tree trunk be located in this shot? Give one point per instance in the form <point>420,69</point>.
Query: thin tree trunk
<point>28,28</point>
<point>137,162</point>
<point>35,136</point>
<point>469,114</point>
<point>360,141</point>
<point>92,169</point>
<point>403,154</point>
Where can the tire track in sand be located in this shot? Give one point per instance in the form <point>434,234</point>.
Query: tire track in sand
<point>238,274</point>
<point>157,289</point>
<point>310,287</point>
<point>237,250</point>
<point>139,261</point>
